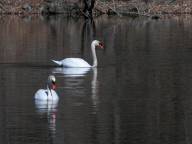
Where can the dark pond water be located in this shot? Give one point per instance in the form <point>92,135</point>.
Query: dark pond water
<point>140,93</point>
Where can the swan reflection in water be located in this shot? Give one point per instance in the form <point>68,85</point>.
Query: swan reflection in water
<point>74,79</point>
<point>94,88</point>
<point>48,109</point>
<point>71,72</point>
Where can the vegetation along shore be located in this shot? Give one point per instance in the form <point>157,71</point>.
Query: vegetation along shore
<point>89,8</point>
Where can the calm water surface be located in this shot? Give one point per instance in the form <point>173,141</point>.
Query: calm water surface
<point>140,93</point>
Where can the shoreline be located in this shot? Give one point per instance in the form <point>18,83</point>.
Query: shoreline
<point>120,8</point>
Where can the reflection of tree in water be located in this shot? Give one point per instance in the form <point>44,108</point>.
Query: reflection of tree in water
<point>88,33</point>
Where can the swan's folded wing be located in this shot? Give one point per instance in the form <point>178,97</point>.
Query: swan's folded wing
<point>75,62</point>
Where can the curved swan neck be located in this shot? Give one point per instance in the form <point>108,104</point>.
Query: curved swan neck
<point>94,55</point>
<point>48,90</point>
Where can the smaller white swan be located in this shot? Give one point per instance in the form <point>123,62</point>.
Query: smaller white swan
<point>78,62</point>
<point>49,93</point>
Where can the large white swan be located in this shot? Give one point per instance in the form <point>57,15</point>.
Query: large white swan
<point>78,62</point>
<point>49,93</point>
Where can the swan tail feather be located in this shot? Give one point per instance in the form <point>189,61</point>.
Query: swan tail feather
<point>57,62</point>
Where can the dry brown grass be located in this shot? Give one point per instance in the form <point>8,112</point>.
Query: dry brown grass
<point>177,7</point>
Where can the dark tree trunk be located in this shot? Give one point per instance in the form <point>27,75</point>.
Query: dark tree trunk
<point>88,7</point>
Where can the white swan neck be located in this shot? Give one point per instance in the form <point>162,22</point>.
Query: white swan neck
<point>48,91</point>
<point>94,55</point>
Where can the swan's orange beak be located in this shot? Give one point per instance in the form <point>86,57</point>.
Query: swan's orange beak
<point>101,45</point>
<point>53,85</point>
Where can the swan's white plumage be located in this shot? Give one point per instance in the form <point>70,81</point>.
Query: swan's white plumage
<point>43,94</point>
<point>73,62</point>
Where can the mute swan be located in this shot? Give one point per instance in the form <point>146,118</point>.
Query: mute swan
<point>78,62</point>
<point>49,93</point>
